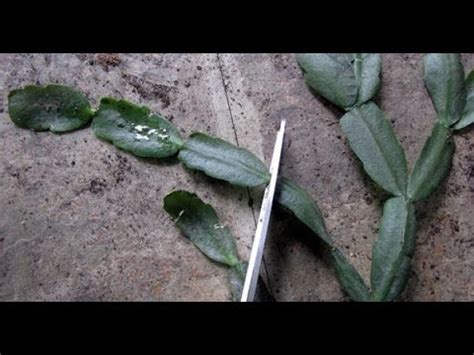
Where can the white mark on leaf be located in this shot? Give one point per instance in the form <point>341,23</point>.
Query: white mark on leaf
<point>179,216</point>
<point>141,137</point>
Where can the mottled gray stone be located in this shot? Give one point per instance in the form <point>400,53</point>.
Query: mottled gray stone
<point>82,220</point>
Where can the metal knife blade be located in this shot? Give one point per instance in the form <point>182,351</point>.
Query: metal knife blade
<point>253,270</point>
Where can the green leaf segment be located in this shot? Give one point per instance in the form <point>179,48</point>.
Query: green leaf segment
<point>54,107</point>
<point>136,129</point>
<point>198,221</point>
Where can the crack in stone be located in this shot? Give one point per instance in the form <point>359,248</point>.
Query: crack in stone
<point>249,195</point>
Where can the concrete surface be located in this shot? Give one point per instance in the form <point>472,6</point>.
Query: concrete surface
<point>82,221</point>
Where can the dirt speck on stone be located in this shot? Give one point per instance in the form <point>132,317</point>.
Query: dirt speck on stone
<point>151,90</point>
<point>107,60</point>
<point>97,186</point>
